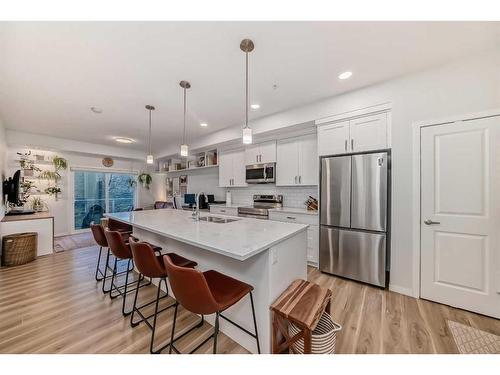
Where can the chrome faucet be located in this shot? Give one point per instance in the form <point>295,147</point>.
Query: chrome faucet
<point>196,211</point>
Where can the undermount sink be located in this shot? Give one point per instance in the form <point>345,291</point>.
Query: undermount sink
<point>217,219</point>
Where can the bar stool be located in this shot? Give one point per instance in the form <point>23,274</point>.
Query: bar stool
<point>100,239</point>
<point>121,250</point>
<point>151,265</point>
<point>206,293</point>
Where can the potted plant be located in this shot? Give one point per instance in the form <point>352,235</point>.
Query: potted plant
<point>53,190</point>
<point>50,175</point>
<point>59,163</point>
<point>145,179</point>
<point>37,204</point>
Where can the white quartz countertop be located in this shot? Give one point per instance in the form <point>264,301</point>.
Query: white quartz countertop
<point>295,210</point>
<point>239,239</point>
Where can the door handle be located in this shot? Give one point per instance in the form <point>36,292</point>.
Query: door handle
<point>430,222</point>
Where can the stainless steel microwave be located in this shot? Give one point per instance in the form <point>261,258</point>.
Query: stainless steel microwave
<point>261,173</point>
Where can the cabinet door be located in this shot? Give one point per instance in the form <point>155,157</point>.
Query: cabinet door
<point>239,174</point>
<point>369,133</point>
<point>287,165</point>
<point>308,160</point>
<point>225,169</point>
<point>267,152</point>
<point>252,155</point>
<point>333,138</point>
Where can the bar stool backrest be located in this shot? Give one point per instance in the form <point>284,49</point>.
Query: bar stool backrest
<point>117,244</point>
<point>98,233</point>
<point>190,288</point>
<point>145,259</point>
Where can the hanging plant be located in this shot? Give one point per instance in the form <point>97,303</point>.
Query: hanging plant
<point>132,182</point>
<point>145,179</point>
<point>59,163</point>
<point>53,190</point>
<point>50,175</point>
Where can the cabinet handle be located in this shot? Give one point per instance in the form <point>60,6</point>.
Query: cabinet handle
<point>345,145</point>
<point>256,158</point>
<point>222,210</point>
<point>300,179</point>
<point>352,144</point>
<point>291,217</point>
<point>295,179</point>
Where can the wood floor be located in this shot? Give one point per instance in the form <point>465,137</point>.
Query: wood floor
<point>54,305</point>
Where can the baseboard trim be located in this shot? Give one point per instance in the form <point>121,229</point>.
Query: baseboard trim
<point>402,290</point>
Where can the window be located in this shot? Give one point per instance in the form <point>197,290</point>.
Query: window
<point>96,193</point>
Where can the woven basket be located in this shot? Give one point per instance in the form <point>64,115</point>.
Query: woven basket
<point>19,248</point>
<point>324,336</point>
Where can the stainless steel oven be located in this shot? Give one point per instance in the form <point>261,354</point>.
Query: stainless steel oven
<point>261,173</point>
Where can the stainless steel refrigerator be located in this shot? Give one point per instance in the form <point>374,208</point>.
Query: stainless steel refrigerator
<point>354,216</point>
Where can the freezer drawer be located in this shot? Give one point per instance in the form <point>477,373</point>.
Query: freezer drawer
<point>336,191</point>
<point>369,192</point>
<point>356,255</point>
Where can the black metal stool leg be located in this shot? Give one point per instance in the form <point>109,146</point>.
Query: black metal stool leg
<point>113,282</point>
<point>155,318</point>
<point>135,302</point>
<point>97,266</point>
<point>173,329</point>
<point>125,292</point>
<point>255,323</point>
<point>216,332</point>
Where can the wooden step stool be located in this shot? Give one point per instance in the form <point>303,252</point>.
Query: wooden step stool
<point>302,303</point>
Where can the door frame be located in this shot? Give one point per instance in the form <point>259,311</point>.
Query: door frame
<point>417,198</point>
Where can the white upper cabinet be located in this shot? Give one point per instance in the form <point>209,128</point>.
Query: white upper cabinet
<point>333,138</point>
<point>355,135</point>
<point>369,133</point>
<point>308,160</point>
<point>232,168</point>
<point>297,161</point>
<point>261,153</point>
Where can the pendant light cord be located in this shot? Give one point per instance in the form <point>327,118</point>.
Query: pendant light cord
<point>150,132</point>
<point>246,90</point>
<point>184,133</point>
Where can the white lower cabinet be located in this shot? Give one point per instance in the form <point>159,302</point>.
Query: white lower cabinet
<point>221,210</point>
<point>312,230</point>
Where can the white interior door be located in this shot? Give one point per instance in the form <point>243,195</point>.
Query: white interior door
<point>460,226</point>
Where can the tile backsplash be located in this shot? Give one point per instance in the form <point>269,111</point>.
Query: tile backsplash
<point>292,196</point>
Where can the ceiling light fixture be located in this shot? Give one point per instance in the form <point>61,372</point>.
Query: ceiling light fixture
<point>203,124</point>
<point>345,75</point>
<point>96,110</point>
<point>255,106</point>
<point>184,147</point>
<point>246,46</point>
<point>149,158</point>
<point>123,140</point>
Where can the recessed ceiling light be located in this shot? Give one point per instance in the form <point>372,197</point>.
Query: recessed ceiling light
<point>345,75</point>
<point>255,106</point>
<point>96,110</point>
<point>123,140</point>
<point>203,124</point>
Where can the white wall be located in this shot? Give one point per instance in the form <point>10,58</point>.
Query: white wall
<point>469,85</point>
<point>3,164</point>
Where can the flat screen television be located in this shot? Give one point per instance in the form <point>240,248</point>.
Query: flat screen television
<point>11,188</point>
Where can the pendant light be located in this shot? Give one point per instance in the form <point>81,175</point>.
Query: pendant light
<point>184,147</point>
<point>246,46</point>
<point>149,158</point>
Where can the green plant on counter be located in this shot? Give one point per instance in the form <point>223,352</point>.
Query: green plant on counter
<point>145,179</point>
<point>37,204</point>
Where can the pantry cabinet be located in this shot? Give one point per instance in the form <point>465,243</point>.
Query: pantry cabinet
<point>261,153</point>
<point>297,161</point>
<point>232,168</point>
<point>359,134</point>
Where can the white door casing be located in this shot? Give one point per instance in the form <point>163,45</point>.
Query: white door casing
<point>460,214</point>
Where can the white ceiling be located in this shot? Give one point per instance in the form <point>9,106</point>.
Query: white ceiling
<point>52,73</point>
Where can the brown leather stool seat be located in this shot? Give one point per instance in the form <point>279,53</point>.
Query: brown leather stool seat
<point>226,290</point>
<point>151,265</point>
<point>203,293</point>
<point>122,251</point>
<point>100,238</point>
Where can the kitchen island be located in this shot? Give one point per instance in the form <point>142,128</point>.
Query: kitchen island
<point>266,254</point>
